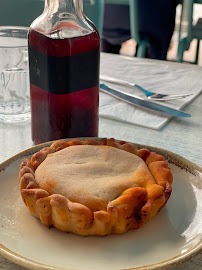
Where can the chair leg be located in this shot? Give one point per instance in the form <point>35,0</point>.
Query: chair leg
<point>197,52</point>
<point>180,56</point>
<point>180,50</point>
<point>141,51</point>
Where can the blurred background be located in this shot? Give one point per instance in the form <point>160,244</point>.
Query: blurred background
<point>129,46</point>
<point>23,12</point>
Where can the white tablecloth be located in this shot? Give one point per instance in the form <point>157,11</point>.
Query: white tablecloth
<point>181,136</point>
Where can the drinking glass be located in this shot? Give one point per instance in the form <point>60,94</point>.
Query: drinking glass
<point>14,75</point>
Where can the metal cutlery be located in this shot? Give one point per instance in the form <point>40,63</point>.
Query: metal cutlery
<point>135,100</point>
<point>149,95</point>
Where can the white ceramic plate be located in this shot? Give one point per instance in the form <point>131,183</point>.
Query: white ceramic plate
<point>173,236</point>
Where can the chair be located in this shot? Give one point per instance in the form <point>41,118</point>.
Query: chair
<point>133,5</point>
<point>20,12</point>
<point>193,31</point>
<point>94,10</point>
<point>24,12</point>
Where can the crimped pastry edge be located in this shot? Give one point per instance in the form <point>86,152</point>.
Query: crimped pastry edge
<point>134,207</point>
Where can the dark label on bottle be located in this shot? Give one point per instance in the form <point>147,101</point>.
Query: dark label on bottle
<point>66,74</point>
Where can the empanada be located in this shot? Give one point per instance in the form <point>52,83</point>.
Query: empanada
<point>95,188</point>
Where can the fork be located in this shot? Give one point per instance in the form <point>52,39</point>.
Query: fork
<point>149,95</point>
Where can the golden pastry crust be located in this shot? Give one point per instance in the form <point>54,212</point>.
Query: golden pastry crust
<point>98,201</point>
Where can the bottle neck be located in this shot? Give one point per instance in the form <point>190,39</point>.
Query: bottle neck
<point>64,6</point>
<point>63,19</point>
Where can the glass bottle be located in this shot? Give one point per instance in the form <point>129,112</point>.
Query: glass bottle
<point>64,58</point>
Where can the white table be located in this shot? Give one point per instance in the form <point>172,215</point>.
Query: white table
<point>181,136</point>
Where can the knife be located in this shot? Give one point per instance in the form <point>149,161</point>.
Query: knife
<point>135,100</point>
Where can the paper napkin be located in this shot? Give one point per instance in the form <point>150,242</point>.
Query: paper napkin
<point>156,76</point>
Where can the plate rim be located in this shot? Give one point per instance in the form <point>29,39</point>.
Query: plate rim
<point>171,157</point>
<point>33,265</point>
